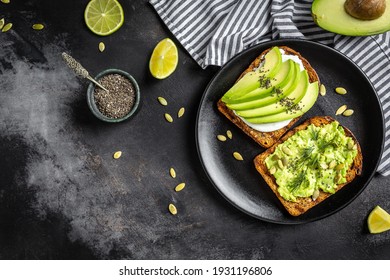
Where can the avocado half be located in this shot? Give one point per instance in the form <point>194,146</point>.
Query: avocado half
<point>331,15</point>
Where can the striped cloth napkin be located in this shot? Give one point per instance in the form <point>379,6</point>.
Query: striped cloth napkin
<point>214,31</point>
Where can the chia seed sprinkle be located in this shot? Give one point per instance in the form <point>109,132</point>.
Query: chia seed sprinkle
<point>118,101</point>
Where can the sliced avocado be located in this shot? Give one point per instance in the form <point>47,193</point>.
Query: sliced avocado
<point>281,79</point>
<point>251,80</point>
<point>272,62</point>
<point>282,105</point>
<point>277,94</point>
<point>332,16</point>
<point>304,105</point>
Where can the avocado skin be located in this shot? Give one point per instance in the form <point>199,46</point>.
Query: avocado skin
<point>332,16</point>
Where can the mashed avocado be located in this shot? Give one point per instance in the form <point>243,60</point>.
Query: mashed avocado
<point>316,158</point>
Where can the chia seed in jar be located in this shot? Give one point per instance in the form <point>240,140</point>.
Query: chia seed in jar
<point>120,98</point>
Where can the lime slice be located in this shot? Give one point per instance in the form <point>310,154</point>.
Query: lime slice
<point>378,221</point>
<point>104,17</point>
<point>164,59</point>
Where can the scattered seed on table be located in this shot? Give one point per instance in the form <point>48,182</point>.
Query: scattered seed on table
<point>38,26</point>
<point>181,112</point>
<point>348,112</point>
<point>162,101</point>
<point>179,187</point>
<point>6,27</point>
<point>322,90</point>
<point>2,22</point>
<point>172,209</point>
<point>341,110</point>
<point>229,134</point>
<point>172,172</point>
<point>237,156</point>
<point>102,47</point>
<point>341,90</point>
<point>117,154</point>
<point>5,1</point>
<point>221,137</point>
<point>168,117</point>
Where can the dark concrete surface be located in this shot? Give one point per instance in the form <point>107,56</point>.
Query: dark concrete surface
<point>63,196</point>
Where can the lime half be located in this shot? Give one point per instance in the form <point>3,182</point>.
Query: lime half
<point>104,17</point>
<point>164,59</point>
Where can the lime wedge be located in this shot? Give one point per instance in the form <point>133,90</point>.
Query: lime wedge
<point>104,17</point>
<point>378,221</point>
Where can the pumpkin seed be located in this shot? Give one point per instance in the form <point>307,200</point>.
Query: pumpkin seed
<point>338,178</point>
<point>275,157</point>
<point>341,90</point>
<point>5,1</point>
<point>272,170</point>
<point>332,164</point>
<point>2,22</point>
<point>180,113</point>
<point>351,145</point>
<point>38,26</point>
<point>286,150</point>
<point>117,154</point>
<point>284,161</point>
<point>172,208</point>
<point>102,47</point>
<point>162,101</point>
<point>172,172</point>
<point>341,110</point>
<point>339,166</point>
<point>229,134</point>
<point>315,194</point>
<point>348,112</point>
<point>221,137</point>
<point>180,186</point>
<point>323,165</point>
<point>280,164</point>
<point>168,117</point>
<point>6,27</point>
<point>237,156</point>
<point>322,90</point>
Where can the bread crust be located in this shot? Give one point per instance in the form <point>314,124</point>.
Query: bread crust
<point>304,204</point>
<point>266,139</point>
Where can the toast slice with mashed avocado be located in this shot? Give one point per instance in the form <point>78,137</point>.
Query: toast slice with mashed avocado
<point>310,163</point>
<point>266,97</point>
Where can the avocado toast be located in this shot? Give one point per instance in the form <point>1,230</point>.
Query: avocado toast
<point>260,100</point>
<point>339,170</point>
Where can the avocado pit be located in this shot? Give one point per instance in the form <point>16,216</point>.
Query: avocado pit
<point>365,9</point>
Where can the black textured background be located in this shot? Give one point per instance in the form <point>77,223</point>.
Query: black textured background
<point>62,196</point>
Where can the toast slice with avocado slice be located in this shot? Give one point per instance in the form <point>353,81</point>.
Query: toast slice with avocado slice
<point>267,80</point>
<point>333,172</point>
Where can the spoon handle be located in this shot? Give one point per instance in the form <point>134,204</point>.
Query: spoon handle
<point>96,83</point>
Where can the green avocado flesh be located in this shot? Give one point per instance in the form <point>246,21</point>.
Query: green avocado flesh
<point>289,93</point>
<point>280,80</point>
<point>331,15</point>
<point>251,80</point>
<point>316,158</point>
<point>293,111</point>
<point>285,99</point>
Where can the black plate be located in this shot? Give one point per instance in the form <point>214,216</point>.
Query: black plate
<point>239,182</point>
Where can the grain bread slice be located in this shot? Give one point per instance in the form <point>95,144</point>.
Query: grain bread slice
<point>266,139</point>
<point>304,204</point>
